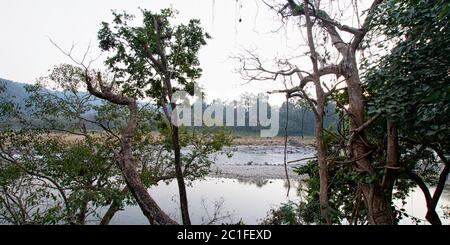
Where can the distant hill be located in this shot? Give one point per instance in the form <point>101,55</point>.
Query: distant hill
<point>15,91</point>
<point>301,120</point>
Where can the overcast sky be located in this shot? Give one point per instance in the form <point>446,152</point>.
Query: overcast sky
<point>26,26</point>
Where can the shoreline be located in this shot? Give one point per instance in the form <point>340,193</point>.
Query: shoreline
<point>274,141</point>
<point>261,159</point>
<point>252,173</point>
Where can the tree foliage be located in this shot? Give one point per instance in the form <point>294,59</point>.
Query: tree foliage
<point>411,83</point>
<point>141,56</point>
<point>61,167</point>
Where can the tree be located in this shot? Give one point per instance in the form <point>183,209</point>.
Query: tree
<point>9,111</point>
<point>124,156</point>
<point>407,130</point>
<point>47,180</point>
<point>61,167</point>
<point>80,164</point>
<point>378,208</point>
<point>410,84</point>
<point>358,150</point>
<point>159,59</point>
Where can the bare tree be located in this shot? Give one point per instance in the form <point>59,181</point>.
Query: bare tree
<point>253,70</point>
<point>319,111</point>
<point>377,206</point>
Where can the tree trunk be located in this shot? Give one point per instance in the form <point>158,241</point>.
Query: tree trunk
<point>127,165</point>
<point>431,215</point>
<point>180,177</point>
<point>377,206</point>
<point>125,159</point>
<point>392,162</point>
<point>81,217</point>
<point>113,209</point>
<point>323,171</point>
<point>321,100</point>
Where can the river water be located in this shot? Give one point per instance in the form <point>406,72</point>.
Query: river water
<point>237,200</point>
<point>251,183</point>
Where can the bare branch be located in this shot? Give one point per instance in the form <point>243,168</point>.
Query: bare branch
<point>252,68</point>
<point>365,27</point>
<point>328,70</point>
<point>286,136</point>
<point>329,26</point>
<point>303,159</point>
<point>354,160</point>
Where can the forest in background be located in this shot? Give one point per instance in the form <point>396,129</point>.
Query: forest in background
<point>301,122</point>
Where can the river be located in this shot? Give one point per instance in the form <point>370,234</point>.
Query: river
<point>247,186</point>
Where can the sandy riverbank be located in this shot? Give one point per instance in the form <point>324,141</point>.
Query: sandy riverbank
<point>255,158</point>
<point>258,162</point>
<point>273,141</point>
<point>252,173</point>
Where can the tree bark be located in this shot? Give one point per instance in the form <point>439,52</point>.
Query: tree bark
<point>431,215</point>
<point>184,205</point>
<point>113,209</point>
<point>180,177</point>
<point>377,206</point>
<point>321,100</point>
<point>392,161</point>
<point>125,158</point>
<point>323,170</point>
<point>81,216</point>
<point>126,163</point>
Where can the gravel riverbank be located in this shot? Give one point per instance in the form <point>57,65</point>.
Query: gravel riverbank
<point>260,162</point>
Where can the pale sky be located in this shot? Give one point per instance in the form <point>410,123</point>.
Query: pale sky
<point>26,26</point>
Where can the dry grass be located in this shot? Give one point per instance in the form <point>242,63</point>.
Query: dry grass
<point>254,140</point>
<point>67,137</point>
<point>238,140</point>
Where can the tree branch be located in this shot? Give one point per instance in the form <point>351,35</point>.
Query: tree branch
<point>328,70</point>
<point>328,25</point>
<point>365,27</point>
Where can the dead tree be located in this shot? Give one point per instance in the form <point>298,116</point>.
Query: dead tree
<point>253,69</point>
<point>377,206</point>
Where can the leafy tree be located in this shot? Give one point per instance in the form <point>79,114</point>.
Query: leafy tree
<point>65,170</point>
<point>9,110</point>
<point>47,180</point>
<point>154,61</point>
<point>411,86</point>
<point>407,97</point>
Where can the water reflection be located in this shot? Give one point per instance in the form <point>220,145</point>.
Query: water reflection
<point>247,200</point>
<point>416,206</point>
<point>258,182</point>
<point>244,200</point>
